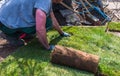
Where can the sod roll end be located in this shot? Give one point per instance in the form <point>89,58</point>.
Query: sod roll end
<point>75,58</point>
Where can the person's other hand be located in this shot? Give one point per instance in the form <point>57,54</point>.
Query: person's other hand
<point>51,47</point>
<point>65,34</point>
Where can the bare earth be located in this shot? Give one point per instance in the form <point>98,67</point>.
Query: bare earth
<point>4,49</point>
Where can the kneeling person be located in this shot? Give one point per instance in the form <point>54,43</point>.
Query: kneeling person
<point>20,18</point>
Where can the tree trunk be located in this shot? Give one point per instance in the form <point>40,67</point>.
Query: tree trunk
<point>75,58</point>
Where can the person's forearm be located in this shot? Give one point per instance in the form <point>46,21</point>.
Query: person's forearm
<point>40,28</point>
<point>43,39</point>
<point>55,23</point>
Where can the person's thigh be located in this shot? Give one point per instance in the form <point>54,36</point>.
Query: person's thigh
<point>8,31</point>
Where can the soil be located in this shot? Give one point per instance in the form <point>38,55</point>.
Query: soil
<point>5,50</point>
<point>114,32</point>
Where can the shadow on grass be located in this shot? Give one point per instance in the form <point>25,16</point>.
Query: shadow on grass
<point>33,60</point>
<point>28,60</point>
<point>56,40</point>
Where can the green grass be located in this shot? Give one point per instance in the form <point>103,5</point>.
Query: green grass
<point>114,26</point>
<point>33,60</point>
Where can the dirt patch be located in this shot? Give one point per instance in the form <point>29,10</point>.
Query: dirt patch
<point>111,30</point>
<point>5,50</point>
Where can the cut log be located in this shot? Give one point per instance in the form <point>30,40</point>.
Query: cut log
<point>74,58</point>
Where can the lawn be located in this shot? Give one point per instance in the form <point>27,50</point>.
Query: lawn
<point>33,60</point>
<point>114,26</point>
